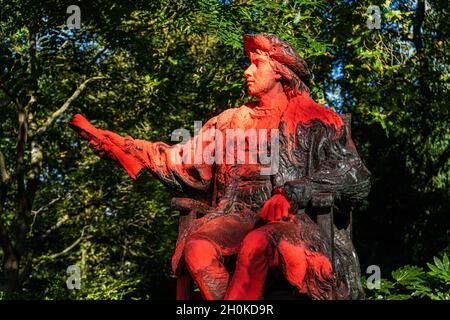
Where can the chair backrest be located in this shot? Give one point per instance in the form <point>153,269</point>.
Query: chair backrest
<point>347,117</point>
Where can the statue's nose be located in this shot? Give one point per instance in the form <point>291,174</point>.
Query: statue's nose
<point>248,72</point>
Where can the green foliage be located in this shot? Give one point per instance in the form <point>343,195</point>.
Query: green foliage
<point>410,282</point>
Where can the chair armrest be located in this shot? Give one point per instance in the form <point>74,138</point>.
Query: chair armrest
<point>322,200</point>
<point>186,205</point>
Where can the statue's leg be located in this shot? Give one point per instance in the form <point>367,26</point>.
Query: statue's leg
<point>310,272</point>
<point>256,255</point>
<point>279,243</point>
<point>305,265</point>
<point>206,247</point>
<point>205,264</point>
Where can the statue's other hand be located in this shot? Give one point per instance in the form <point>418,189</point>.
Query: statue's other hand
<point>275,209</point>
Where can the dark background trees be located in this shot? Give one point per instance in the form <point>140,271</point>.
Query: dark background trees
<point>145,68</point>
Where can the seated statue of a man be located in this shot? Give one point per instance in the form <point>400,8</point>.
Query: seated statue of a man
<point>261,211</point>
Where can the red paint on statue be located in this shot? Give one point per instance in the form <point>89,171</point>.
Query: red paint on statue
<point>277,208</point>
<point>310,272</point>
<point>275,243</point>
<point>102,141</point>
<point>303,110</point>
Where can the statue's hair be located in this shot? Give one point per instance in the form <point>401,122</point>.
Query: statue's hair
<point>292,85</point>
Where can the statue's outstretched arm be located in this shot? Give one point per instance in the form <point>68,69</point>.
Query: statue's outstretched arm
<point>168,163</point>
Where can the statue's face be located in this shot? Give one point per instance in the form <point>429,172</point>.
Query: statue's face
<point>261,77</point>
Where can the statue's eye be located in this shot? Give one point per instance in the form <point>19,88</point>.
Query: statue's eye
<point>258,61</point>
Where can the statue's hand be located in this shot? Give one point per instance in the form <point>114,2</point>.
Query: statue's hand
<point>275,209</point>
<point>98,139</point>
<point>109,145</point>
<point>83,127</point>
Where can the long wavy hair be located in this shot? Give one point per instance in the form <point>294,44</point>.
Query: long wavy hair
<point>292,84</point>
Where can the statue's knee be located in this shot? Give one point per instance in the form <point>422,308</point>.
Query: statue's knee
<point>255,242</point>
<point>199,253</point>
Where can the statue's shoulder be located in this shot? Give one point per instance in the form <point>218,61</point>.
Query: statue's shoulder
<point>304,110</point>
<point>225,118</point>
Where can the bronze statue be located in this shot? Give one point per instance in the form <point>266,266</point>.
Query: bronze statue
<point>267,213</point>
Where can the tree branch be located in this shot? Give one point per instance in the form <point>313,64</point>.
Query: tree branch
<point>5,178</point>
<point>36,212</point>
<point>418,21</point>
<point>66,250</point>
<point>5,242</point>
<point>426,95</point>
<point>3,170</point>
<point>32,92</point>
<point>73,245</point>
<point>95,58</point>
<point>66,105</point>
<point>56,226</point>
<point>66,217</point>
<point>20,157</point>
<point>36,148</point>
<point>14,99</point>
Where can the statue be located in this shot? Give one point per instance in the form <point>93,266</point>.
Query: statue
<point>264,212</point>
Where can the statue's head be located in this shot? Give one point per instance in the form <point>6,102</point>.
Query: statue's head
<point>273,59</point>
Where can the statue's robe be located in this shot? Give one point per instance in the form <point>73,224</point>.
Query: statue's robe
<point>316,156</point>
